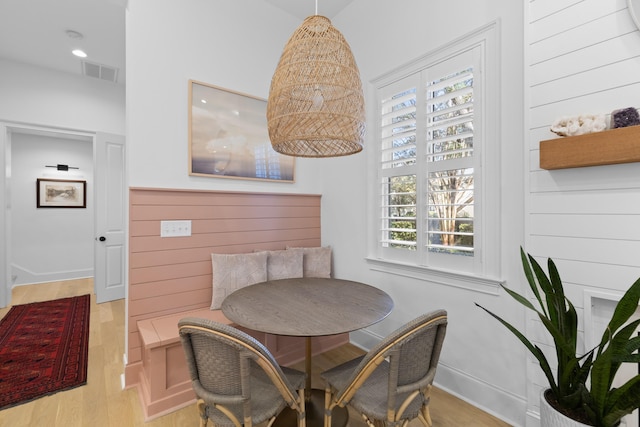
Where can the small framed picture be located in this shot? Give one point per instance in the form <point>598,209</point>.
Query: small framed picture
<point>61,193</point>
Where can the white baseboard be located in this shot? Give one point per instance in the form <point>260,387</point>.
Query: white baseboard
<point>22,276</point>
<point>533,419</point>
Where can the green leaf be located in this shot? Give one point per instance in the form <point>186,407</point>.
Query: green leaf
<point>604,404</point>
<point>625,307</point>
<point>522,300</point>
<point>622,401</point>
<point>535,350</point>
<point>633,344</point>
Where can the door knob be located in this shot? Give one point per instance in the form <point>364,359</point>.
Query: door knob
<point>102,238</point>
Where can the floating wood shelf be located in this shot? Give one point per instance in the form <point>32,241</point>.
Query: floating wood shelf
<point>608,147</point>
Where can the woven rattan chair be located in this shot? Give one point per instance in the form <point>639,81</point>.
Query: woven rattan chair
<point>235,378</point>
<point>390,385</point>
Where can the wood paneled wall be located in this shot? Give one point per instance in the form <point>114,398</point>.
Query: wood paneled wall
<point>173,274</point>
<point>583,58</point>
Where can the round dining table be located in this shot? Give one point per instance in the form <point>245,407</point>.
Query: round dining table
<point>308,307</point>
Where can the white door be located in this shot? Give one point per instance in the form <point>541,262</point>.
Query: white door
<point>110,203</point>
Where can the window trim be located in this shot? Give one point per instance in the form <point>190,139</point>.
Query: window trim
<point>486,285</point>
<point>487,246</point>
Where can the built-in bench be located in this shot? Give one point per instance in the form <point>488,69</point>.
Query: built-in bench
<point>164,383</point>
<point>172,278</point>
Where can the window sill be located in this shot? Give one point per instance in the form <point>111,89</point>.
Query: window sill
<point>444,277</point>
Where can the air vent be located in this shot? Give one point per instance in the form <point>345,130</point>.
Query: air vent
<point>98,71</point>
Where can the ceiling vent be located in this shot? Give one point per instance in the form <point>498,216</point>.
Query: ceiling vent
<point>98,71</point>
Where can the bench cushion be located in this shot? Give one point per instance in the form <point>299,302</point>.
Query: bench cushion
<point>316,261</point>
<point>231,272</point>
<point>284,264</point>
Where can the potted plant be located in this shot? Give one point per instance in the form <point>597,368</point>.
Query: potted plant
<point>581,388</point>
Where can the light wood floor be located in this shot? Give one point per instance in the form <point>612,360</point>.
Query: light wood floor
<point>102,402</point>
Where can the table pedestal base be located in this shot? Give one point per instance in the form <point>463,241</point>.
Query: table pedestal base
<point>314,408</point>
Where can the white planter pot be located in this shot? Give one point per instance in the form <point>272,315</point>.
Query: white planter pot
<point>549,417</point>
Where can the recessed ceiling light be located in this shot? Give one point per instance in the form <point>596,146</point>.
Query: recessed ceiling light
<point>79,53</point>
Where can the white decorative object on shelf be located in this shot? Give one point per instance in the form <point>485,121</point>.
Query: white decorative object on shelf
<point>579,125</point>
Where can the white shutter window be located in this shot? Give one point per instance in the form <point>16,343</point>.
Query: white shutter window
<point>399,212</point>
<point>449,156</point>
<point>397,167</point>
<point>437,193</point>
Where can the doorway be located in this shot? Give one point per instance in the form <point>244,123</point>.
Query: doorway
<point>51,241</point>
<point>55,243</point>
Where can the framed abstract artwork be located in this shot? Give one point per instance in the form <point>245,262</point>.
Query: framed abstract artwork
<point>228,137</point>
<point>61,193</point>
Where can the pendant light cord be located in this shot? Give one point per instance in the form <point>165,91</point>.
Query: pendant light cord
<point>316,7</point>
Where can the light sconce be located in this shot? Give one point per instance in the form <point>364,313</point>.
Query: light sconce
<point>316,105</point>
<point>61,167</point>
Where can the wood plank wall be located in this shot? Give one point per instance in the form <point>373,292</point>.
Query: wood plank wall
<point>583,58</point>
<point>170,275</point>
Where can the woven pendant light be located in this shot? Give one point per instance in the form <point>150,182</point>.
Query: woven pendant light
<point>316,106</point>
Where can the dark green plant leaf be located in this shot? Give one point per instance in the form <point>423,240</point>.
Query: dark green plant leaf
<point>625,307</point>
<point>622,401</point>
<point>602,402</point>
<point>526,260</point>
<point>535,350</point>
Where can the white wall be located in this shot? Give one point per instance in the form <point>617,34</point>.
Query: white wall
<point>481,362</point>
<point>50,98</point>
<point>583,58</point>
<point>235,44</point>
<point>49,244</point>
<point>46,98</point>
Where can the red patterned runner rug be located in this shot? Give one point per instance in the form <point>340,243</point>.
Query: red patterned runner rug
<point>43,349</point>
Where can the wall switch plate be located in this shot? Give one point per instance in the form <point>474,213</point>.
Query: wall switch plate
<point>175,228</point>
